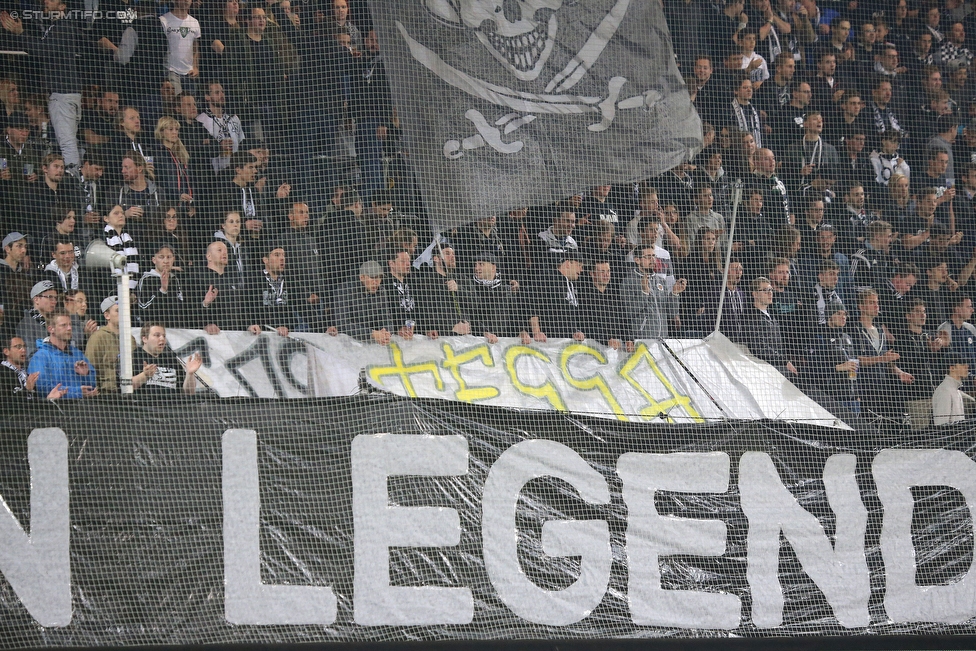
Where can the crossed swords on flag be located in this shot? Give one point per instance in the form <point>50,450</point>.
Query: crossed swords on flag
<point>531,103</point>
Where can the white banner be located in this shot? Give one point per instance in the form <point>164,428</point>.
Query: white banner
<point>678,381</point>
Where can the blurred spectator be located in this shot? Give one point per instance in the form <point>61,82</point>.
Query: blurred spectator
<point>172,168</point>
<point>128,139</point>
<point>408,316</point>
<point>733,307</point>
<point>59,364</point>
<point>896,293</point>
<point>554,306</point>
<point>826,292</point>
<point>15,381</point>
<point>76,305</point>
<point>882,112</point>
<point>270,294</point>
<point>103,347</point>
<point>63,269</point>
<point>873,264</point>
<point>558,239</point>
<point>138,193</point>
<point>650,302</point>
<point>310,291</point>
<point>876,359</point>
<point>775,94</point>
<point>16,277</point>
<point>887,161</point>
<point>49,194</point>
<point>491,303</point>
<point>761,332</point>
<point>32,328</point>
<point>602,309</point>
<point>363,306</point>
<point>776,200</point>
<point>948,400</point>
<point>703,217</point>
<point>159,369</point>
<point>814,164</point>
<point>98,127</point>
<point>834,366</point>
<point>226,129</point>
<point>703,269</point>
<point>921,350</point>
<point>216,294</point>
<point>183,59</point>
<point>743,115</point>
<point>160,291</point>
<point>438,291</point>
<point>259,60</point>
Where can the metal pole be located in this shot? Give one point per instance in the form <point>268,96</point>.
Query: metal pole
<point>125,335</point>
<point>736,199</point>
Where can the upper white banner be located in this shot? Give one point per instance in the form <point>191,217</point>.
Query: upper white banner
<point>677,381</point>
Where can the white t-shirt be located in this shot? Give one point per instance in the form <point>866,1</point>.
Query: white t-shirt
<point>759,74</point>
<point>180,33</point>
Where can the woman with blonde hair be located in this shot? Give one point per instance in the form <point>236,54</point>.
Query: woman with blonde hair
<point>172,164</point>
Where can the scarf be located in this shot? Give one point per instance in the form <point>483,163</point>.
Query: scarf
<point>494,283</point>
<point>747,119</point>
<point>571,297</point>
<point>247,204</point>
<point>69,280</point>
<point>884,119</point>
<point>816,154</point>
<point>21,375</point>
<point>277,295</point>
<point>406,300</point>
<point>37,316</point>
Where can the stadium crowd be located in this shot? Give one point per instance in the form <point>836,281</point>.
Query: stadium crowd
<point>246,158</point>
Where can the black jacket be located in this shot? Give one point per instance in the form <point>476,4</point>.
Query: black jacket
<point>762,334</point>
<point>556,301</point>
<point>359,313</point>
<point>601,314</point>
<point>491,307</point>
<point>226,311</point>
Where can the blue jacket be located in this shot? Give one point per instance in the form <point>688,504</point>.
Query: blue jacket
<point>58,367</point>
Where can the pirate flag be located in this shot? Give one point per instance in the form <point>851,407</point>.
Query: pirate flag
<point>510,103</point>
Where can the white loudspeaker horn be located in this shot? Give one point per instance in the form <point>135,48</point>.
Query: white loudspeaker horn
<point>100,254</point>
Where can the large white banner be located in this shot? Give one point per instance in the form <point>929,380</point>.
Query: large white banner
<point>678,381</point>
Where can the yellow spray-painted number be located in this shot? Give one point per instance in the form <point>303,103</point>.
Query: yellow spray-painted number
<point>377,373</point>
<point>453,362</point>
<point>654,407</point>
<point>546,391</point>
<point>593,382</point>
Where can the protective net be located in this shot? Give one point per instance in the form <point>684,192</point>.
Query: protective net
<point>612,227</point>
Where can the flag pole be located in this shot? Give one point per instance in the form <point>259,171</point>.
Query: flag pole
<point>736,199</point>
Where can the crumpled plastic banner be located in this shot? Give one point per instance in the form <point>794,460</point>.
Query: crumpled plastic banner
<point>377,518</point>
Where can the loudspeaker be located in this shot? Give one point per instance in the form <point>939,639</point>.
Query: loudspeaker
<point>100,254</point>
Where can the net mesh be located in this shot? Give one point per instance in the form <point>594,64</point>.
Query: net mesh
<point>282,236</point>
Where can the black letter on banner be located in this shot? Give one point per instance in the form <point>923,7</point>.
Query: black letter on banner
<point>258,351</point>
<point>286,351</point>
<point>198,345</point>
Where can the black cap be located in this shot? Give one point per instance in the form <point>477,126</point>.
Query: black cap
<point>486,256</point>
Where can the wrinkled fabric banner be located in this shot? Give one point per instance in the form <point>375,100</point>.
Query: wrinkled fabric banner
<point>382,519</point>
<point>515,104</point>
<point>678,381</point>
